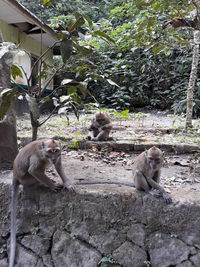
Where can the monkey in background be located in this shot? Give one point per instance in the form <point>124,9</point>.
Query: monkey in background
<point>28,169</point>
<point>147,171</point>
<point>100,127</point>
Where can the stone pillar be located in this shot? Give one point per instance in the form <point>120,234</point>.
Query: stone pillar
<point>8,135</point>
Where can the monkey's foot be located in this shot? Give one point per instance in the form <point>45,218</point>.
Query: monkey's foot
<point>155,192</point>
<point>69,188</point>
<point>167,197</point>
<point>57,187</point>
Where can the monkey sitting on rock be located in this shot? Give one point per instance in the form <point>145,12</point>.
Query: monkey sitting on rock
<point>146,173</point>
<point>100,127</point>
<point>28,169</point>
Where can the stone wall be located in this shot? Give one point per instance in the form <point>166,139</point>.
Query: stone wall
<point>102,226</point>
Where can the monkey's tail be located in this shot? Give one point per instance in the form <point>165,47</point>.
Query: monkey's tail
<point>106,182</point>
<point>15,186</point>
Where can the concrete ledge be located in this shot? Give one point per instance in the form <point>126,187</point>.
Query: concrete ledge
<point>132,146</point>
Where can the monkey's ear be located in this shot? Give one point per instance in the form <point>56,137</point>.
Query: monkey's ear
<point>163,153</point>
<point>42,145</point>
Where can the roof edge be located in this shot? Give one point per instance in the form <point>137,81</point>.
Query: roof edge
<point>24,11</point>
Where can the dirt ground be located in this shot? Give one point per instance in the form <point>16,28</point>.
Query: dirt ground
<point>179,171</point>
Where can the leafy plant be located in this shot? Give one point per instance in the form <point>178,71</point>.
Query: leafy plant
<point>140,117</point>
<point>35,230</point>
<point>70,42</point>
<point>107,260</point>
<point>147,263</point>
<point>123,115</point>
<point>3,249</point>
<point>75,144</point>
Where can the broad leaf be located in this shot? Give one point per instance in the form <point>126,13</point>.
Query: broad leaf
<point>16,71</point>
<point>71,90</point>
<point>80,21</point>
<point>111,82</point>
<point>62,110</point>
<point>105,36</point>
<point>47,3</point>
<point>85,50</point>
<point>66,81</point>
<point>66,48</point>
<point>89,21</point>
<point>64,98</point>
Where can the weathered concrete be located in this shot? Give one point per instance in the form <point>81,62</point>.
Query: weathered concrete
<point>137,147</point>
<point>113,224</point>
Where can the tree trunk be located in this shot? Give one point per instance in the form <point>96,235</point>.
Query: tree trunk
<point>34,114</point>
<point>8,134</point>
<point>35,126</point>
<point>192,81</point>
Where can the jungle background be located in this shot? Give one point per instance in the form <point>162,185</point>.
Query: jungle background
<point>148,64</point>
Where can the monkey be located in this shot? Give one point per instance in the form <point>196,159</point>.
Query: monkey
<point>100,127</point>
<point>28,169</point>
<point>147,171</point>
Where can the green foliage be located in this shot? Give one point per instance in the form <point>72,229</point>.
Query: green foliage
<point>142,78</point>
<point>69,224</point>
<point>123,115</point>
<point>6,97</point>
<point>16,71</point>
<point>107,261</point>
<point>73,99</point>
<point>147,263</point>
<point>197,246</point>
<point>3,249</point>
<point>35,230</point>
<point>148,65</point>
<point>74,145</point>
<point>66,49</point>
<point>93,9</point>
<point>140,23</point>
<point>179,106</point>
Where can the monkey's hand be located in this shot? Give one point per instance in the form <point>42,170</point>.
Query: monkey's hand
<point>155,192</point>
<point>167,197</point>
<point>70,188</point>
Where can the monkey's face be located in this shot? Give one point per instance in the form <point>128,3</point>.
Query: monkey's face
<point>53,151</point>
<point>100,118</point>
<point>154,162</point>
<point>53,154</point>
<point>154,158</point>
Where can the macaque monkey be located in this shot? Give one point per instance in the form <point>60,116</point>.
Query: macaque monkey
<point>28,169</point>
<point>100,127</point>
<point>146,173</point>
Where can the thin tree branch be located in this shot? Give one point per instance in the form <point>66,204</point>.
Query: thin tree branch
<point>41,123</point>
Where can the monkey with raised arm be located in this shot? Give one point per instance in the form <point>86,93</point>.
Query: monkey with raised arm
<point>146,173</point>
<point>100,127</point>
<point>28,169</point>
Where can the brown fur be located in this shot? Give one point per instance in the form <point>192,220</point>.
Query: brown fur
<point>28,169</point>
<point>147,171</point>
<point>100,127</point>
